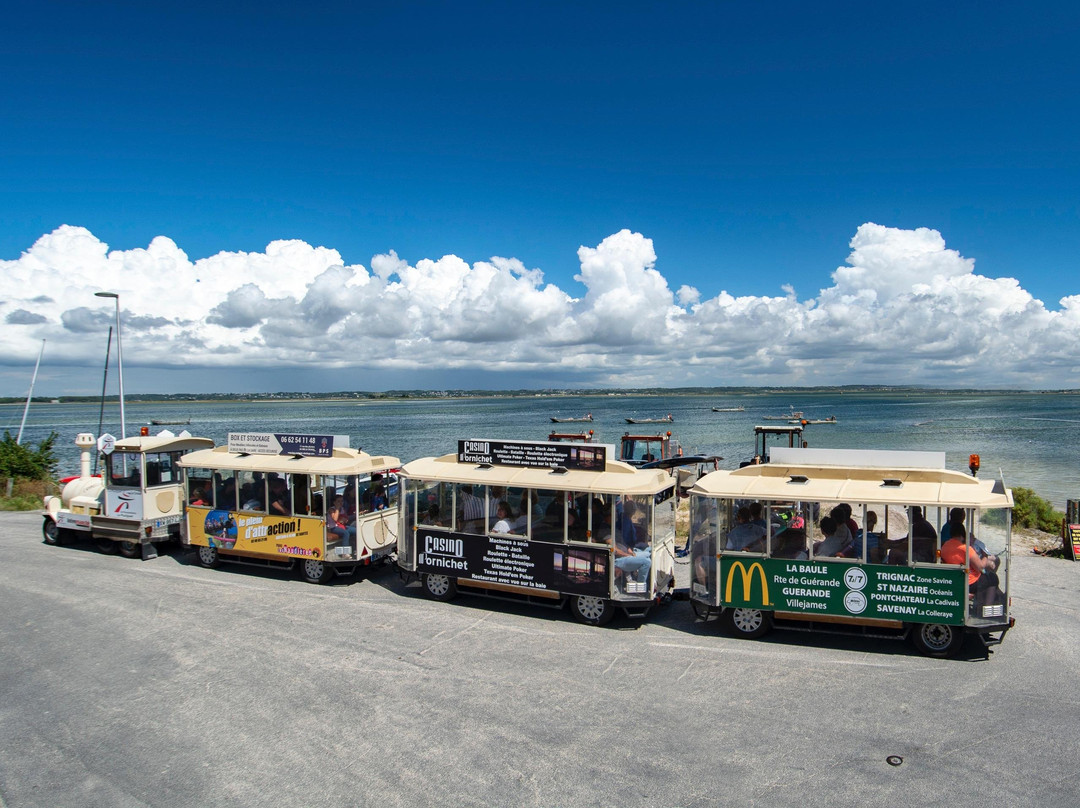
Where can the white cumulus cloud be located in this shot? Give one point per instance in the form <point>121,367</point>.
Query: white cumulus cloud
<point>904,310</point>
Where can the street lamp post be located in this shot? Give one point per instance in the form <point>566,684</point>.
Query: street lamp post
<point>119,359</point>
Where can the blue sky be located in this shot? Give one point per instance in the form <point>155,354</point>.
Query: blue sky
<point>747,143</point>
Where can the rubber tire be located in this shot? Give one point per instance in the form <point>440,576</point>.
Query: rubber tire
<point>315,571</point>
<point>936,640</point>
<point>105,546</point>
<point>592,611</point>
<point>129,549</point>
<point>52,533</point>
<point>703,611</point>
<point>748,624</point>
<point>439,587</point>
<point>207,556</point>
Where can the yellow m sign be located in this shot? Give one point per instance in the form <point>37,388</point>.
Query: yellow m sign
<point>747,581</point>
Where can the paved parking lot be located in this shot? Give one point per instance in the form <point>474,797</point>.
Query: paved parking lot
<point>159,683</point>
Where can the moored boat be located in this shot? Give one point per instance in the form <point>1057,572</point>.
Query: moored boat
<point>729,409</point>
<point>584,419</point>
<point>667,419</point>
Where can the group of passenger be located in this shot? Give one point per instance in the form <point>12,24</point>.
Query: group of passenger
<point>342,514</point>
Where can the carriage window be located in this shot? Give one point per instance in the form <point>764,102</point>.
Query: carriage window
<point>225,490</point>
<point>301,494</point>
<point>634,521</point>
<point>704,528</point>
<point>376,493</point>
<point>200,487</point>
<point>664,514</point>
<point>435,504</point>
<point>470,508</point>
<point>788,529</point>
<point>161,468</point>
<point>125,469</point>
<point>278,494</point>
<point>251,488</point>
<point>550,512</point>
<point>744,526</point>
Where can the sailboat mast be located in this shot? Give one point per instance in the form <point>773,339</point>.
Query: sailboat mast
<point>26,409</point>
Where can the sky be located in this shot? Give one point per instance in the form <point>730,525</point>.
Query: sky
<point>351,196</point>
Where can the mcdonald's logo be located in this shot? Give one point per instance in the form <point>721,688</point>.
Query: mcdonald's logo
<point>747,581</point>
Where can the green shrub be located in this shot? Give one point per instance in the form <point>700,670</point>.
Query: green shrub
<point>1032,511</point>
<point>26,462</point>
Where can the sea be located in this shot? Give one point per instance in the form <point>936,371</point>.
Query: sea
<point>1027,439</point>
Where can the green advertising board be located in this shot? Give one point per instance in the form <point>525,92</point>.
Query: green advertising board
<point>844,589</point>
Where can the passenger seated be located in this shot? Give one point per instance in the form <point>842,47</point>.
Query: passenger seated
<point>790,543</point>
<point>983,582</point>
<point>504,516</point>
<point>337,527</point>
<point>835,541</point>
<point>873,550</point>
<point>745,536</point>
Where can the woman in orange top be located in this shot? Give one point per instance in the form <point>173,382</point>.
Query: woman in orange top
<point>955,551</point>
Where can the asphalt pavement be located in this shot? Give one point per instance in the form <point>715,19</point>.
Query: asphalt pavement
<point>159,683</point>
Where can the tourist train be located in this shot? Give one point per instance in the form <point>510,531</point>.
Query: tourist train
<point>870,542</point>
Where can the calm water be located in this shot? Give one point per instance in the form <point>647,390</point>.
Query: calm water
<point>1033,439</point>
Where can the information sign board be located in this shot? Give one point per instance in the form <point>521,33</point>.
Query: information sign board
<point>1072,542</point>
<point>276,443</point>
<point>514,561</point>
<point>538,454</point>
<point>910,594</point>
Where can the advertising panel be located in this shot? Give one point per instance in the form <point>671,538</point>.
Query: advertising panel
<point>910,594</point>
<point>538,455</point>
<point>267,443</point>
<point>123,503</point>
<point>276,536</point>
<point>514,561</point>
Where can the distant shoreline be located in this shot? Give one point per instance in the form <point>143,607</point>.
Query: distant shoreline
<point>444,395</point>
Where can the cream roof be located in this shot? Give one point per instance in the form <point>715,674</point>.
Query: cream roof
<point>773,481</point>
<point>344,461</point>
<point>162,443</point>
<point>616,478</point>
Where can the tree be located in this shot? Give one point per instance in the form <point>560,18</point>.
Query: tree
<point>18,461</point>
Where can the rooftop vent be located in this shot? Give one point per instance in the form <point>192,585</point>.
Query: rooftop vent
<point>798,479</point>
<point>891,482</point>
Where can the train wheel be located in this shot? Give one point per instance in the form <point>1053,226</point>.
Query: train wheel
<point>591,610</point>
<point>208,557</point>
<point>747,623</point>
<point>52,533</point>
<point>129,549</point>
<point>105,546</point>
<point>937,639</point>
<point>439,587</point>
<point>702,611</point>
<point>316,572</point>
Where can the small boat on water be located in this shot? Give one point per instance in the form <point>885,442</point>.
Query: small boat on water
<point>584,419</point>
<point>667,419</point>
<point>160,422</point>
<point>830,420</point>
<point>729,409</point>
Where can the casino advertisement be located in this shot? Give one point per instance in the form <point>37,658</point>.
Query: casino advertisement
<point>284,536</point>
<point>513,561</point>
